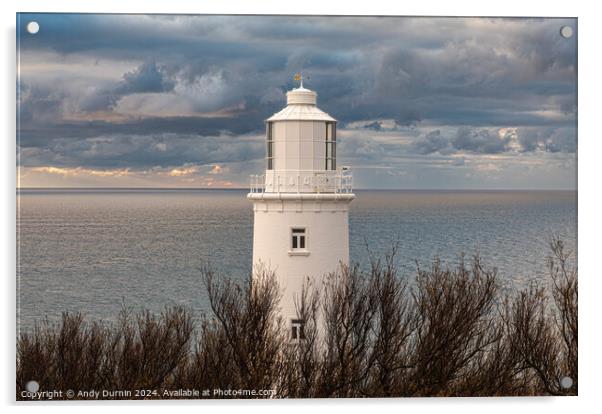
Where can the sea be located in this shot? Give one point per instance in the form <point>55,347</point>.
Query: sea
<point>96,251</point>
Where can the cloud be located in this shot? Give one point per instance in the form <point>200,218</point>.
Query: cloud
<point>497,140</point>
<point>142,151</point>
<point>218,169</point>
<point>549,139</point>
<point>166,91</point>
<point>74,172</point>
<point>186,170</point>
<point>480,141</point>
<point>432,142</point>
<point>186,176</point>
<point>146,78</point>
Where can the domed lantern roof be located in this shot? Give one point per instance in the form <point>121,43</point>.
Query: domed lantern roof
<point>301,106</point>
<point>301,96</point>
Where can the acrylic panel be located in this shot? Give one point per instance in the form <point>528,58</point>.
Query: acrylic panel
<point>413,233</point>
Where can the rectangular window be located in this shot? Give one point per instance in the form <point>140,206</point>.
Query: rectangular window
<point>297,329</point>
<point>270,142</point>
<point>334,146</point>
<point>330,146</point>
<point>298,239</point>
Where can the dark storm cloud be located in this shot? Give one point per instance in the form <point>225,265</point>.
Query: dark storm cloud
<point>362,148</point>
<point>431,143</point>
<point>37,135</point>
<point>143,37</point>
<point>140,151</point>
<point>146,78</point>
<point>214,76</point>
<point>496,141</point>
<point>480,141</point>
<point>40,103</point>
<point>548,139</point>
<point>375,126</point>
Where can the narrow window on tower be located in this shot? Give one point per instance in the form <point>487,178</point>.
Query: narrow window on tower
<point>270,141</point>
<point>330,146</point>
<point>297,329</point>
<point>298,238</point>
<point>334,146</point>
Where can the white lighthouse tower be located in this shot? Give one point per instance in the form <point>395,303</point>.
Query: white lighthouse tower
<point>301,203</point>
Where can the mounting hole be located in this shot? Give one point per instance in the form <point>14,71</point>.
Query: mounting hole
<point>566,32</point>
<point>33,27</point>
<point>32,386</point>
<point>566,382</point>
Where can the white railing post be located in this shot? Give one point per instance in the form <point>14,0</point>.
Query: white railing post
<point>257,183</point>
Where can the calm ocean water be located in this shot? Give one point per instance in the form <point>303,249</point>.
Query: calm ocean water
<point>91,251</point>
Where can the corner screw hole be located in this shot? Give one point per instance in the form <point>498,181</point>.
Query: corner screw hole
<point>566,32</point>
<point>32,386</point>
<point>33,27</point>
<point>566,382</point>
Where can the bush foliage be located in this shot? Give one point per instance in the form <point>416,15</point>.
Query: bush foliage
<point>452,332</point>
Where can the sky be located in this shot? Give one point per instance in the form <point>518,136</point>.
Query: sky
<point>181,100</point>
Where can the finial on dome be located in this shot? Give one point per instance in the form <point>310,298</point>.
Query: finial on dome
<point>300,95</point>
<point>299,78</point>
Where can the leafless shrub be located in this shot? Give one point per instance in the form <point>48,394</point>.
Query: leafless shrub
<point>534,337</point>
<point>565,294</point>
<point>455,325</point>
<point>247,328</point>
<point>349,309</point>
<point>395,324</point>
<point>131,355</point>
<point>300,376</point>
<point>367,334</point>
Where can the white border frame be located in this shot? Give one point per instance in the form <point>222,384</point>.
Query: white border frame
<point>590,150</point>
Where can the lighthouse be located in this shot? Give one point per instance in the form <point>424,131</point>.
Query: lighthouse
<point>301,203</point>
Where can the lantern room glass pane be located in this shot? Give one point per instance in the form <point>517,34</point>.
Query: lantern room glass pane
<point>270,144</point>
<point>330,146</point>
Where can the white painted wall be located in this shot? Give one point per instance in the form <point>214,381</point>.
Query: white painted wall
<point>327,242</point>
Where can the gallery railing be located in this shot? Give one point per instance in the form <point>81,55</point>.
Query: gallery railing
<point>338,182</point>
